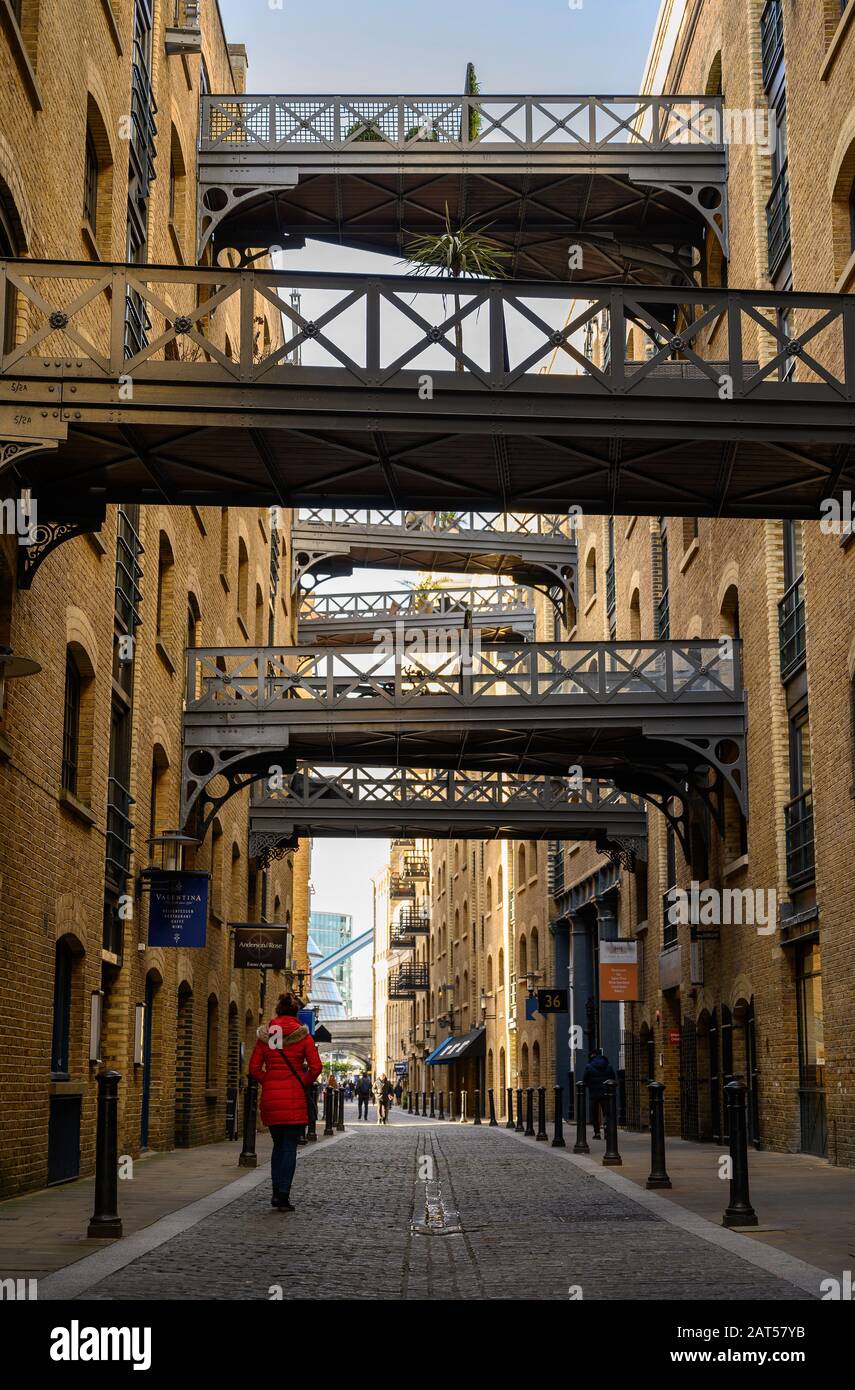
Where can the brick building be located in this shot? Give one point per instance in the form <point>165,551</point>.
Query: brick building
<point>769,1001</point>
<point>99,111</point>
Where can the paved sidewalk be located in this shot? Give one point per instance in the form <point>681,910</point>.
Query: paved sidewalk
<point>803,1204</point>
<point>46,1230</point>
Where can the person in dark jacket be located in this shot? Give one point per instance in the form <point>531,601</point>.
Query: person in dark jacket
<point>285,1063</point>
<point>363,1096</point>
<point>382,1092</point>
<point>596,1074</point>
<point>399,1092</point>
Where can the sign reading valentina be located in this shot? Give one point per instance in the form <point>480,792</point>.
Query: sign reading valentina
<point>178,908</point>
<point>618,970</point>
<point>260,948</point>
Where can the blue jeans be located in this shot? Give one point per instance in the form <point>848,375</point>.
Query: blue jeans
<point>284,1158</point>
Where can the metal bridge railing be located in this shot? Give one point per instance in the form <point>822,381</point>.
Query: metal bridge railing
<point>257,679</point>
<point>277,123</point>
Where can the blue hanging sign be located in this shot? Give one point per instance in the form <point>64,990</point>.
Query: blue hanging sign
<point>178,908</point>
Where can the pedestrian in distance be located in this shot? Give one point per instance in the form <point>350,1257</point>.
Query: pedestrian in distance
<point>363,1096</point>
<point>399,1091</point>
<point>596,1074</point>
<point>382,1092</point>
<point>285,1063</point>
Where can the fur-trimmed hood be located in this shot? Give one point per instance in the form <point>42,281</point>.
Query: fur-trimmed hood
<point>288,1029</point>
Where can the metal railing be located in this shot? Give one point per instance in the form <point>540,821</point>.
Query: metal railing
<point>443,523</point>
<point>128,573</point>
<point>482,600</point>
<point>778,220</point>
<point>119,829</point>
<point>401,887</point>
<point>791,629</point>
<point>798,824</point>
<point>655,672</point>
<point>817,329</point>
<point>771,39</point>
<point>416,866</point>
<point>407,979</point>
<point>415,920</point>
<point>634,124</point>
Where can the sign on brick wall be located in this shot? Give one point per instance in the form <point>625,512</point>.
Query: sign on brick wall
<point>178,908</point>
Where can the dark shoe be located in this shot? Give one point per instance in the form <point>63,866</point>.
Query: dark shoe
<point>284,1204</point>
<point>275,1200</point>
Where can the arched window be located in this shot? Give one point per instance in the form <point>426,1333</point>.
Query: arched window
<point>259,617</point>
<point>501,974</point>
<point>77,729</point>
<point>843,213</point>
<point>489,974</point>
<point>62,999</point>
<point>534,949</point>
<point>535,1064</point>
<point>635,617</point>
<point>523,957</point>
<point>489,896</point>
<point>243,581</point>
<point>500,890</point>
<point>591,574</point>
<point>521,866</point>
<point>165,578</point>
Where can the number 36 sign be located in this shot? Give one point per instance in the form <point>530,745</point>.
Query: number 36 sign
<point>552,1001</point>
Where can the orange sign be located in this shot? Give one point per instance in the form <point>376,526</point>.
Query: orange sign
<point>618,971</point>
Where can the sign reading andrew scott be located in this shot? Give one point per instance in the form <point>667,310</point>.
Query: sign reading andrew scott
<point>178,908</point>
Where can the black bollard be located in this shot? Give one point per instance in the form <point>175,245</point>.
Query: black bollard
<point>106,1224</point>
<point>339,1105</point>
<point>441,1115</point>
<point>658,1174</point>
<point>312,1128</point>
<point>510,1122</point>
<point>529,1112</point>
<point>739,1211</point>
<point>424,1102</point>
<point>558,1135</point>
<point>409,1102</point>
<point>329,1113</point>
<point>248,1158</point>
<point>519,1126</point>
<point>450,1103</point>
<point>433,1105</point>
<point>476,1118</point>
<point>611,1157</point>
<point>541,1114</point>
<point>581,1145</point>
<point>494,1123</point>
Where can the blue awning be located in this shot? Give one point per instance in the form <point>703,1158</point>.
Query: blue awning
<point>471,1044</point>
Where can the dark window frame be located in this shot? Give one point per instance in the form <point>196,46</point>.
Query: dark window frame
<point>72,705</point>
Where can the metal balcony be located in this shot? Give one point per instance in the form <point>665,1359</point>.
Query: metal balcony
<point>363,802</point>
<point>400,939</point>
<point>497,612</point>
<point>415,920</point>
<point>634,179</point>
<point>534,548</point>
<point>120,830</point>
<point>801,854</point>
<point>347,427</point>
<point>792,630</point>
<point>417,866</point>
<point>400,886</point>
<point>184,34</point>
<point>650,716</point>
<point>407,980</point>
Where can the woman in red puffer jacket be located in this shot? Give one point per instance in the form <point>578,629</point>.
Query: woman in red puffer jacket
<point>285,1063</point>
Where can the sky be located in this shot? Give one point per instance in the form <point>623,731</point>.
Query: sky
<point>554,47</point>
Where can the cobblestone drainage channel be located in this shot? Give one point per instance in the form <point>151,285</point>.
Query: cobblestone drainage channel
<point>439,1219</point>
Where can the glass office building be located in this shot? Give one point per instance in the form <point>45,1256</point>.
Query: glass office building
<point>329,930</point>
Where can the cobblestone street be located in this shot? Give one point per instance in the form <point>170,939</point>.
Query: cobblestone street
<point>532,1224</point>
